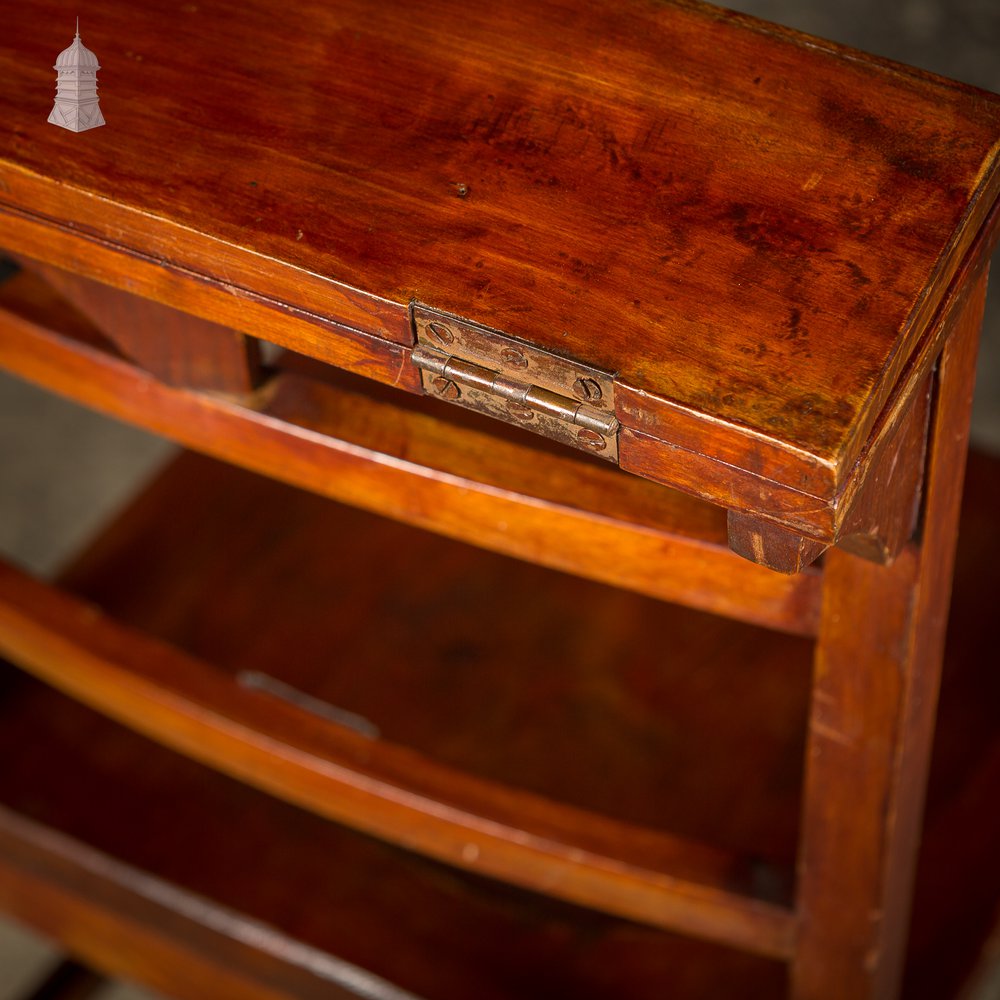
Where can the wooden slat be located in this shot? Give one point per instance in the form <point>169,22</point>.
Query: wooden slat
<point>157,869</point>
<point>513,497</point>
<point>141,929</point>
<point>961,797</point>
<point>565,688</point>
<point>377,787</point>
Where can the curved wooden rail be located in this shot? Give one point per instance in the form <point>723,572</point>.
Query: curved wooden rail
<point>398,459</point>
<point>382,789</point>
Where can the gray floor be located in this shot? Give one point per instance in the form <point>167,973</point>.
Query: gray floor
<point>63,471</point>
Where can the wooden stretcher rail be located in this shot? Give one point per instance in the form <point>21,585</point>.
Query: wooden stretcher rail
<point>142,877</point>
<point>111,914</point>
<point>380,788</point>
<point>508,496</point>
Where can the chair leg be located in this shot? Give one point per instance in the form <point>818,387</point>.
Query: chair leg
<point>177,348</point>
<point>871,725</point>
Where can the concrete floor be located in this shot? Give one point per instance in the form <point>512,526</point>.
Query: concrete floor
<point>63,471</point>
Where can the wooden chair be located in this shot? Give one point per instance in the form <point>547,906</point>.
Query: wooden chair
<point>306,729</point>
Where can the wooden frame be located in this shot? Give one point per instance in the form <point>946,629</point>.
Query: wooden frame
<point>533,765</point>
<point>827,934</point>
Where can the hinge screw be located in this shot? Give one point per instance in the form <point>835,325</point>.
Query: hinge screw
<point>445,388</point>
<point>587,389</point>
<point>519,410</point>
<point>440,333</point>
<point>514,358</point>
<point>591,439</point>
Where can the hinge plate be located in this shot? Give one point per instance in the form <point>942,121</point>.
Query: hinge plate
<point>517,382</point>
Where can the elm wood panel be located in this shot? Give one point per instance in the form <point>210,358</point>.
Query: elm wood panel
<point>197,857</point>
<point>385,789</point>
<point>179,349</point>
<point>104,238</point>
<point>718,473</point>
<point>878,667</point>
<point>551,508</point>
<point>534,679</point>
<point>781,206</point>
<point>216,302</point>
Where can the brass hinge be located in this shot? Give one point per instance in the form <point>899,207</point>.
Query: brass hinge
<point>493,373</point>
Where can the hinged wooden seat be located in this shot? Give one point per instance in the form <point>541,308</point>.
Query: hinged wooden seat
<point>740,272</point>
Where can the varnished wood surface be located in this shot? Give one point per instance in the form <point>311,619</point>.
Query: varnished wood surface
<point>421,462</point>
<point>249,888</point>
<point>442,934</point>
<point>177,348</point>
<point>714,471</point>
<point>433,782</point>
<point>871,727</point>
<point>665,190</point>
<point>286,747</point>
<point>760,234</point>
<point>503,657</point>
<point>575,736</point>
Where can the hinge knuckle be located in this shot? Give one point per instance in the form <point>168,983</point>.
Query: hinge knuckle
<point>602,423</point>
<point>551,402</point>
<point>509,388</point>
<point>430,361</point>
<point>469,374</point>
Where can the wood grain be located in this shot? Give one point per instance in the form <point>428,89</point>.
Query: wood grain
<point>170,824</point>
<point>768,544</point>
<point>770,240</point>
<point>871,727</point>
<point>177,348</point>
<point>514,666</point>
<point>717,474</point>
<point>154,885</point>
<point>824,197</point>
<point>884,514</point>
<point>383,788</point>
<point>421,465</point>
